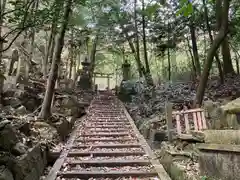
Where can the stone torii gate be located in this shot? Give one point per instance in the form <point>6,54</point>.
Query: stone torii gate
<point>102,75</point>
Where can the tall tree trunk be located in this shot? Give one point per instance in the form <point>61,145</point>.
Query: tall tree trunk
<point>45,61</point>
<point>34,8</point>
<point>169,64</point>
<point>137,38</point>
<point>138,62</point>
<point>71,56</point>
<point>46,106</point>
<point>29,59</point>
<point>148,71</point>
<point>212,51</point>
<point>2,10</point>
<point>32,34</point>
<point>237,56</point>
<point>51,41</point>
<point>168,53</point>
<point>211,40</point>
<point>237,62</point>
<point>144,39</point>
<point>225,50</point>
<point>227,61</point>
<point>52,49</point>
<point>132,47</point>
<point>195,49</point>
<point>192,59</point>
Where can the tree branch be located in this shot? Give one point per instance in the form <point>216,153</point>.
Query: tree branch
<point>21,29</point>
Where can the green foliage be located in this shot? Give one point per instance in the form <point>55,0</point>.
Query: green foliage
<point>167,24</point>
<point>25,15</point>
<point>151,9</point>
<point>186,8</point>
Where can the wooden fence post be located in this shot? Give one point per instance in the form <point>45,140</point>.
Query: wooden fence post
<point>168,110</point>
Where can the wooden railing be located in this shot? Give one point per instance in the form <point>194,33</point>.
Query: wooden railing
<point>177,122</point>
<point>184,121</point>
<point>193,119</point>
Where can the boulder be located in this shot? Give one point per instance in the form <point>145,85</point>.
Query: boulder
<point>45,131</point>
<point>127,90</point>
<point>5,173</point>
<point>4,123</point>
<point>30,166</point>
<point>30,100</point>
<point>19,93</point>
<point>32,103</point>
<point>9,92</point>
<point>19,149</point>
<point>8,137</point>
<point>25,128</point>
<point>12,101</point>
<point>68,105</point>
<point>69,101</point>
<point>7,158</point>
<point>21,110</point>
<point>63,127</point>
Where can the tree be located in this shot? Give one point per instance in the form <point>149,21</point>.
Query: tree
<point>211,39</point>
<point>194,48</point>
<point>46,106</point>
<point>227,62</point>
<point>212,51</point>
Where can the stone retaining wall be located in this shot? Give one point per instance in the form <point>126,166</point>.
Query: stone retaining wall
<point>220,162</point>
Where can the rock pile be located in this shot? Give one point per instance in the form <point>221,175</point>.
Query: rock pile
<point>147,102</point>
<point>180,157</point>
<point>24,138</point>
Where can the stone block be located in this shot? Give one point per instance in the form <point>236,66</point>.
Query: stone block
<point>213,114</point>
<point>222,136</point>
<point>172,164</point>
<point>232,107</point>
<point>221,162</point>
<point>229,114</point>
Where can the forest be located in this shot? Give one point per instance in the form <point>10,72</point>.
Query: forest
<point>184,52</point>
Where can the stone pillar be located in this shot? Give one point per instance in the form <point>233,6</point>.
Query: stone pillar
<point>126,70</point>
<point>85,81</point>
<point>108,82</point>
